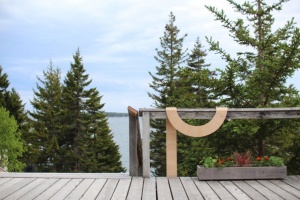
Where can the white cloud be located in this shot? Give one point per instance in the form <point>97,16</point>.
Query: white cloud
<point>117,39</point>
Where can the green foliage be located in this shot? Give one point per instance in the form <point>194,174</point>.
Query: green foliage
<point>181,80</point>
<point>170,57</point>
<point>45,136</point>
<point>88,141</point>
<point>241,160</point>
<point>70,132</point>
<point>256,77</point>
<point>274,161</point>
<point>11,146</point>
<point>11,101</point>
<point>209,162</point>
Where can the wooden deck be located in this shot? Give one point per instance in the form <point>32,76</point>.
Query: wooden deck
<point>121,186</point>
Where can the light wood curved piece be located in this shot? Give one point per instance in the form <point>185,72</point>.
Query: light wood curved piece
<point>196,131</point>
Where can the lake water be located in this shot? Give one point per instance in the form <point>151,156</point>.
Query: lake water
<point>120,130</point>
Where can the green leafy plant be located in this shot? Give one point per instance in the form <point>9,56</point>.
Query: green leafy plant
<point>209,162</point>
<point>242,160</point>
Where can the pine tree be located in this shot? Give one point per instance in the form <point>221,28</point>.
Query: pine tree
<point>4,84</point>
<point>202,76</point>
<point>257,77</point>
<point>169,58</point>
<point>46,135</point>
<point>195,83</point>
<point>89,145</point>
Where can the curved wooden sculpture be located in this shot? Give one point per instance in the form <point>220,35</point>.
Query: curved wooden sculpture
<point>196,131</point>
<point>174,123</point>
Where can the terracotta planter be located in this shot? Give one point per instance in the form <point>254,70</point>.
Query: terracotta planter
<point>241,173</point>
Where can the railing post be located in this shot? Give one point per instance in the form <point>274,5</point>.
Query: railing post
<point>171,150</point>
<point>135,149</point>
<point>146,144</point>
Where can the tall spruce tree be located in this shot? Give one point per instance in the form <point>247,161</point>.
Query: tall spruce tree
<point>257,77</point>
<point>4,84</point>
<point>196,79</point>
<point>169,57</point>
<point>195,83</point>
<point>46,133</point>
<point>89,145</point>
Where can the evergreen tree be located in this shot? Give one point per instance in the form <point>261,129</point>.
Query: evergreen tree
<point>194,83</point>
<point>11,100</point>
<point>89,145</point>
<point>257,77</point>
<point>4,84</point>
<point>169,58</point>
<point>46,135</point>
<point>201,79</point>
<point>196,80</point>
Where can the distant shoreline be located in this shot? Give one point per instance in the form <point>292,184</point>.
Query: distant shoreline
<point>116,114</point>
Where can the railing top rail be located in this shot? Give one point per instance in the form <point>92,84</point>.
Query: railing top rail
<point>232,113</point>
<point>132,111</point>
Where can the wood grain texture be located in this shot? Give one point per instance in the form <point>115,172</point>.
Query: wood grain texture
<point>232,113</point>
<point>241,173</point>
<point>148,188</point>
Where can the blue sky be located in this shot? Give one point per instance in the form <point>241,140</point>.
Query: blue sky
<point>117,39</point>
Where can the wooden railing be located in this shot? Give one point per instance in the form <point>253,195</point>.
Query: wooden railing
<point>232,113</point>
<point>135,144</point>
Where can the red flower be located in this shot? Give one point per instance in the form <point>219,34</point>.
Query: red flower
<point>258,158</point>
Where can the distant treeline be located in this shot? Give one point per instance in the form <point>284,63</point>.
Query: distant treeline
<point>115,114</point>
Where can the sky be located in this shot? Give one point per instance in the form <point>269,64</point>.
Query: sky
<point>117,41</point>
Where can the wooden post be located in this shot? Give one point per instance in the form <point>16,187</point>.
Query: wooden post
<point>135,147</point>
<point>171,149</point>
<point>133,159</point>
<point>146,144</point>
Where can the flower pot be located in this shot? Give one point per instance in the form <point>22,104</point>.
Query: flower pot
<point>241,173</point>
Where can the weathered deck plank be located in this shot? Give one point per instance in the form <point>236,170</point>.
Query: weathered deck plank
<point>78,192</point>
<point>292,182</point>
<point>263,190</point>
<point>66,190</point>
<point>93,191</point>
<point>15,188</point>
<point>234,190</point>
<point>39,189</point>
<point>108,189</point>
<point>220,190</point>
<point>132,188</point>
<point>3,180</point>
<point>136,188</point>
<point>177,189</point>
<point>250,191</point>
<point>53,189</point>
<point>282,193</point>
<point>163,188</point>
<point>287,188</point>
<point>24,190</point>
<point>190,188</point>
<point>205,190</point>
<point>121,190</point>
<point>9,184</point>
<point>149,189</point>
